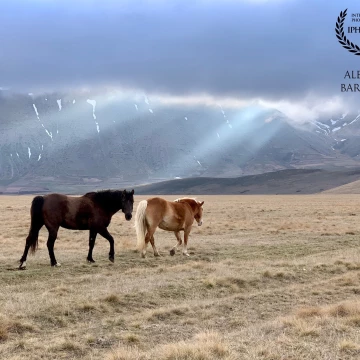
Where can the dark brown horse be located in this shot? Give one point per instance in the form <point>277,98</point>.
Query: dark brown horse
<point>92,211</point>
<point>175,216</point>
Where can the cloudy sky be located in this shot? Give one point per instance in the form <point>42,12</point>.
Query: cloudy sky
<point>281,52</point>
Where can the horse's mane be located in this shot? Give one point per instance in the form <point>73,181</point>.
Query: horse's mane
<point>184,198</point>
<point>105,198</point>
<point>187,199</point>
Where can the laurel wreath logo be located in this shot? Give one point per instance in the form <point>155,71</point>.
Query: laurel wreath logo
<point>343,40</point>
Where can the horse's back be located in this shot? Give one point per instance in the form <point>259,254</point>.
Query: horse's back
<point>156,201</point>
<point>163,205</point>
<point>55,201</point>
<point>68,211</point>
<point>156,205</point>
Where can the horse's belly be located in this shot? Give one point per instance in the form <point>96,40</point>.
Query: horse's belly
<point>74,226</point>
<point>173,226</point>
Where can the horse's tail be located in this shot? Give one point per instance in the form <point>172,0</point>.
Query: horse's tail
<point>140,224</point>
<point>37,221</point>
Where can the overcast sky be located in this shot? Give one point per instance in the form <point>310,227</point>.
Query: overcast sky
<point>280,51</point>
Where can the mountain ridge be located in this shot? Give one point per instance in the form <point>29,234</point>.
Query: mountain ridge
<point>72,137</point>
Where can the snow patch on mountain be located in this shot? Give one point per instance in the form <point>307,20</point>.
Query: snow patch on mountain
<point>49,133</point>
<point>322,124</point>
<point>36,111</point>
<point>59,104</point>
<point>356,119</point>
<point>93,104</point>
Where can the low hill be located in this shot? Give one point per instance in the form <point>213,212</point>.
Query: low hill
<point>350,188</point>
<point>291,181</point>
<point>294,181</point>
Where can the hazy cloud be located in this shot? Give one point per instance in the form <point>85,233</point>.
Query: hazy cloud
<point>279,51</point>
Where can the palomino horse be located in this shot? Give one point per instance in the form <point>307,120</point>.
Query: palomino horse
<point>92,211</point>
<point>173,216</point>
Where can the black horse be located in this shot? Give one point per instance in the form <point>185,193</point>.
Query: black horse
<point>92,211</point>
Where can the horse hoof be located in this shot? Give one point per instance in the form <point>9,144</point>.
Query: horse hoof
<point>90,261</point>
<point>143,256</point>
<point>22,267</point>
<point>56,265</point>
<point>112,259</point>
<point>172,252</point>
<point>156,254</point>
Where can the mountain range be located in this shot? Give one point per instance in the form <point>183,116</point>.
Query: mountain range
<point>63,141</point>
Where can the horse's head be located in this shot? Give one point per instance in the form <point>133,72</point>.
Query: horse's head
<point>199,212</point>
<point>127,198</point>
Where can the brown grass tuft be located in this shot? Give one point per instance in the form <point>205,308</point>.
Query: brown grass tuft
<point>345,309</point>
<point>126,353</point>
<point>349,347</point>
<point>309,312</point>
<point>112,299</point>
<point>204,346</point>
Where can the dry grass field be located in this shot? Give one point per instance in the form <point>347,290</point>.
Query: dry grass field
<point>269,277</point>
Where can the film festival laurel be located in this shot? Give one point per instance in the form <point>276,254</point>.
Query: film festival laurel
<point>350,86</point>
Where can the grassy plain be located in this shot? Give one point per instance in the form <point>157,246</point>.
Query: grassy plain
<point>269,278</point>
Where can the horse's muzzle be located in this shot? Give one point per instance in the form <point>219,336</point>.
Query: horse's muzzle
<point>200,223</point>
<point>128,217</point>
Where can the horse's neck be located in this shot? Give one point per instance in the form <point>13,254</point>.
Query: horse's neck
<point>113,209</point>
<point>190,203</point>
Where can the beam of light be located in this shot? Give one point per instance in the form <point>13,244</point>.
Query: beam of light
<point>247,127</point>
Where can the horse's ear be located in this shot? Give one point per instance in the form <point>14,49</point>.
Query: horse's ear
<point>202,203</point>
<point>132,191</point>
<point>124,191</point>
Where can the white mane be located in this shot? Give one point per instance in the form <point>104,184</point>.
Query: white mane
<point>187,198</point>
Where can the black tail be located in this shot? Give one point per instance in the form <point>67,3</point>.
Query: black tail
<point>37,221</point>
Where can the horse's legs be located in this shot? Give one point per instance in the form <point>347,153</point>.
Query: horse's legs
<point>50,244</point>
<point>32,237</point>
<point>149,235</point>
<point>186,237</point>
<point>152,241</point>
<point>178,237</point>
<point>105,233</point>
<point>92,237</point>
<point>143,251</point>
